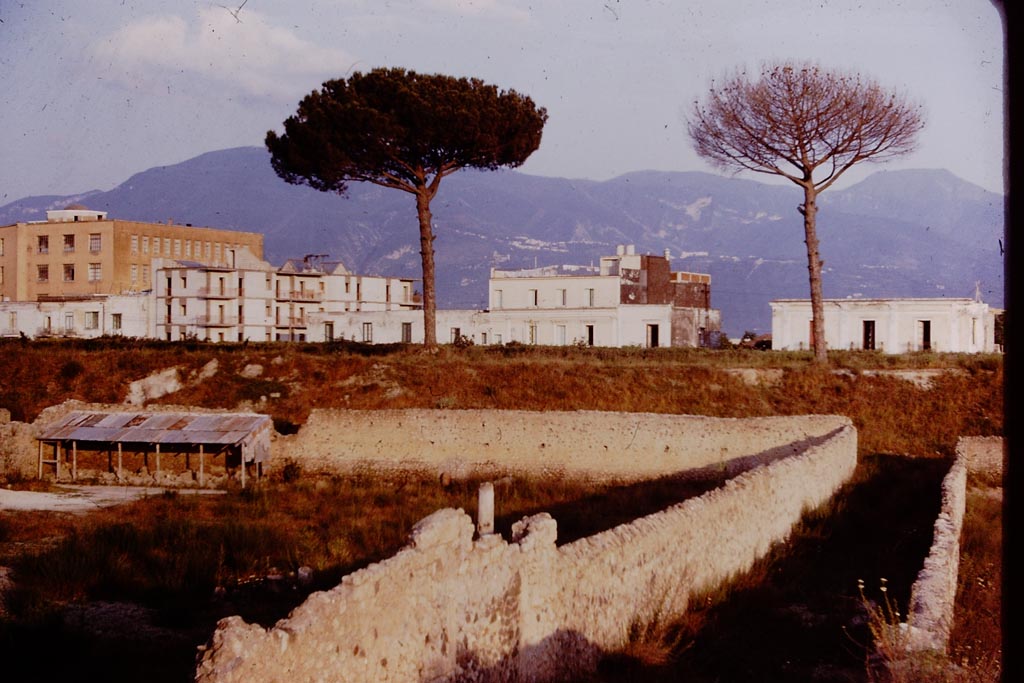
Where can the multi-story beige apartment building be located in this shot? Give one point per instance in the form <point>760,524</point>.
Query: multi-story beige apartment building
<point>76,252</point>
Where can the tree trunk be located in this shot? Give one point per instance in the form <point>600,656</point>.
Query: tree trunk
<point>423,197</point>
<point>814,263</point>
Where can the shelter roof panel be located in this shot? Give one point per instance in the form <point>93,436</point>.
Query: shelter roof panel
<point>141,427</point>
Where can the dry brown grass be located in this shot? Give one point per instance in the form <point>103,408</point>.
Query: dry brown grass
<point>340,524</point>
<point>891,415</point>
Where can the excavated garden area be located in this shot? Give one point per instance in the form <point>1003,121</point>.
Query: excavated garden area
<point>124,608</point>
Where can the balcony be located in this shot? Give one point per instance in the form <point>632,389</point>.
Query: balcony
<point>306,295</point>
<point>217,320</point>
<point>290,322</point>
<point>218,293</point>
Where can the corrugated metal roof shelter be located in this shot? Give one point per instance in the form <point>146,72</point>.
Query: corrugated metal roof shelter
<point>241,437</point>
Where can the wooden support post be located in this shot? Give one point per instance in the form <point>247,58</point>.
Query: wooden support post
<point>119,477</point>
<point>241,460</point>
<point>40,459</point>
<point>202,465</point>
<point>158,462</point>
<point>74,461</point>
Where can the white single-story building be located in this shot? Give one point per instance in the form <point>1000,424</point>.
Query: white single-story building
<point>889,325</point>
<point>127,315</point>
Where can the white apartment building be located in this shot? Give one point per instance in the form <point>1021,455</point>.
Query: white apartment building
<point>629,300</point>
<point>889,325</point>
<point>240,298</point>
<point>250,299</point>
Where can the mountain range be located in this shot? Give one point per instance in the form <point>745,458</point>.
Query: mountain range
<point>910,233</point>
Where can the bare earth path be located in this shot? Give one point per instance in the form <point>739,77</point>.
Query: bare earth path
<point>82,499</point>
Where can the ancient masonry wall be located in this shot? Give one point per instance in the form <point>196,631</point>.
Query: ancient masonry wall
<point>933,595</point>
<point>623,446</point>
<point>451,608</point>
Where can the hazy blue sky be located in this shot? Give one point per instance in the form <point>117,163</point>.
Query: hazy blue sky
<point>95,91</point>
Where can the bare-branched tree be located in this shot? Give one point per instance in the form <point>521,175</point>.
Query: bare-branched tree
<point>808,125</point>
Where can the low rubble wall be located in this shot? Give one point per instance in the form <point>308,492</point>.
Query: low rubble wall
<point>933,595</point>
<point>451,608</point>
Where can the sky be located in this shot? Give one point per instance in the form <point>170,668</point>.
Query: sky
<point>93,92</point>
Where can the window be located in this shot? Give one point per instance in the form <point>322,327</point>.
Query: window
<point>69,272</point>
<point>115,321</point>
<point>135,273</point>
<point>497,298</point>
<point>44,244</point>
<point>69,321</point>
<point>12,320</point>
<point>329,331</point>
<point>456,333</point>
<point>206,247</point>
<point>406,333</point>
<point>145,247</point>
<point>561,297</point>
<point>1,275</point>
<point>183,309</point>
<point>348,286</point>
<point>95,272</point>
<point>167,246</point>
<point>188,248</point>
<point>588,297</point>
<point>92,320</point>
<point>560,332</point>
<point>145,275</point>
<point>135,244</point>
<point>590,335</point>
<point>42,273</point>
<point>533,333</point>
<point>95,243</point>
<point>177,248</point>
<point>531,297</point>
<point>483,338</point>
<point>69,243</point>
<point>367,332</point>
<point>497,338</point>
<point>216,252</point>
<point>1,246</point>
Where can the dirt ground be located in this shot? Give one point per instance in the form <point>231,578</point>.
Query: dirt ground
<point>82,499</point>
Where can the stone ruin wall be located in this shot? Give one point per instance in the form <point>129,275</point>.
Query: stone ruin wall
<point>619,446</point>
<point>933,595</point>
<point>451,608</point>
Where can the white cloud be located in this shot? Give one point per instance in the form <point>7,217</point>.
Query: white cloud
<point>247,55</point>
